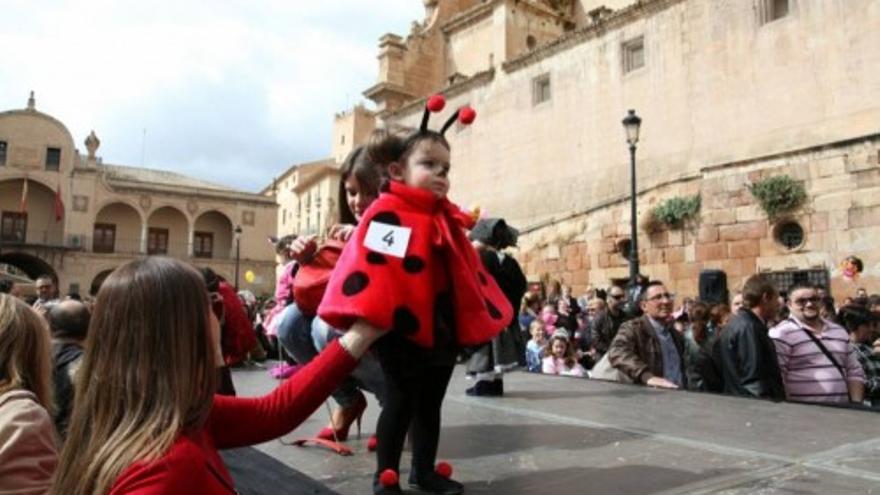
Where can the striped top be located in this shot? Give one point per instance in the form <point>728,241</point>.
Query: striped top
<point>807,373</point>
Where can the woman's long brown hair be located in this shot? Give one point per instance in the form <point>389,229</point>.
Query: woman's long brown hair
<point>25,359</point>
<point>147,374</point>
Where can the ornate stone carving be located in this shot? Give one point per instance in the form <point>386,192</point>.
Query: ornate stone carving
<point>192,206</point>
<point>92,143</point>
<point>247,217</point>
<point>145,202</point>
<point>80,203</point>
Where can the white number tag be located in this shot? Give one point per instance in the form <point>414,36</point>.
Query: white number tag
<point>387,239</point>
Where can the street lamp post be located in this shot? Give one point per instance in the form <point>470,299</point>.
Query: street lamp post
<point>631,124</point>
<point>237,236</point>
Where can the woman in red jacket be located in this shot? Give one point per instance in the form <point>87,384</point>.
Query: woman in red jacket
<point>146,420</point>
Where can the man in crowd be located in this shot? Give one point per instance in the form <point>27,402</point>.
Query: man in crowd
<point>46,293</point>
<point>69,322</point>
<point>816,359</point>
<point>744,352</point>
<point>606,323</point>
<point>647,349</point>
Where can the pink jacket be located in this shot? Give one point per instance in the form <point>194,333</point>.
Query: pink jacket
<point>283,297</point>
<point>28,449</point>
<point>553,366</point>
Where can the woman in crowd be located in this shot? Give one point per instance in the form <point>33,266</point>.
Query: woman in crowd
<point>146,419</point>
<point>561,357</point>
<point>302,333</point>
<point>28,449</point>
<point>696,338</point>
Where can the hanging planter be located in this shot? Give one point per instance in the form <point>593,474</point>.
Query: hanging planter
<point>673,213</point>
<point>778,195</point>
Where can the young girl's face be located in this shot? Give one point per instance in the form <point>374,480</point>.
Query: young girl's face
<point>558,348</point>
<point>427,167</point>
<point>538,333</point>
<point>358,200</point>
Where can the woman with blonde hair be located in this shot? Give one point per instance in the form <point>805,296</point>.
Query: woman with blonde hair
<point>146,419</point>
<point>28,448</point>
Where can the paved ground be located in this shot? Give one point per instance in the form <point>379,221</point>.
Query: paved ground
<point>554,435</point>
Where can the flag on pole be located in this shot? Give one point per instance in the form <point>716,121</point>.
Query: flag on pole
<point>59,205</point>
<point>24,190</point>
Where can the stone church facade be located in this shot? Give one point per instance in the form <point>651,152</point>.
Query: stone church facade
<point>730,92</point>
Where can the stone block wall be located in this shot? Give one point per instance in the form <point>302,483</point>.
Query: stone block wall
<point>841,217</point>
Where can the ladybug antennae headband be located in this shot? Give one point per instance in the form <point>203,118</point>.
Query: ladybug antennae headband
<point>435,103</point>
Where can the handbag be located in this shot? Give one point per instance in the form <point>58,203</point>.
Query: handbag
<point>311,279</point>
<point>604,371</point>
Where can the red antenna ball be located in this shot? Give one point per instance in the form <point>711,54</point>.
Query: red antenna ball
<point>436,103</point>
<point>444,469</point>
<point>389,478</point>
<point>466,115</point>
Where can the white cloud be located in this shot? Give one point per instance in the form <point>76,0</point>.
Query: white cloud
<point>231,91</point>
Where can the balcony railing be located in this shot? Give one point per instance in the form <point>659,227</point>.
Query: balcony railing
<point>127,246</point>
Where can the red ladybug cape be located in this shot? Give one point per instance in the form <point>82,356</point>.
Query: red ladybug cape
<point>397,293</point>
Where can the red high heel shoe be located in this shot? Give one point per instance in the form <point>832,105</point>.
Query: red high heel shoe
<point>344,417</point>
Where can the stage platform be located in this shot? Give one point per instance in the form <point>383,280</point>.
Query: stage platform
<point>557,436</point>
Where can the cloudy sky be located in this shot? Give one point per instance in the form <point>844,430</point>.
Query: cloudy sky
<point>233,91</point>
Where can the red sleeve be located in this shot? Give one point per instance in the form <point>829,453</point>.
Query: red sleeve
<point>236,422</point>
<point>178,472</point>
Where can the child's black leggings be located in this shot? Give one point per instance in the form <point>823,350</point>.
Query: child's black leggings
<point>416,381</point>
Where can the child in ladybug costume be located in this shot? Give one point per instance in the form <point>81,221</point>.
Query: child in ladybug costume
<point>409,268</point>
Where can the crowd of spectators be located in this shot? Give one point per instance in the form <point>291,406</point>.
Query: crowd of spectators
<point>798,345</point>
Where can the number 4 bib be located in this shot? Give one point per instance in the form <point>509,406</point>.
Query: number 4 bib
<point>387,239</point>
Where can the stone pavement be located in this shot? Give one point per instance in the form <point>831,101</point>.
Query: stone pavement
<point>572,436</point>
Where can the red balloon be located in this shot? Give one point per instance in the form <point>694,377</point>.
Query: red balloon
<point>436,103</point>
<point>466,115</point>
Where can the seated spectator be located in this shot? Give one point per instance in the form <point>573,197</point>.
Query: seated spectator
<point>147,420</point>
<point>529,310</point>
<point>28,452</point>
<point>549,317</point>
<point>565,317</point>
<point>560,357</point>
<point>647,349</point>
<point>69,323</point>
<point>535,346</point>
<point>817,361</point>
<point>861,325</point>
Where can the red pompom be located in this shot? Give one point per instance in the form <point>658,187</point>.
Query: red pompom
<point>372,442</point>
<point>466,115</point>
<point>389,478</point>
<point>436,103</point>
<point>444,469</point>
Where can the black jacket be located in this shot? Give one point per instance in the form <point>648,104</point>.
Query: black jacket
<point>66,358</point>
<point>747,358</point>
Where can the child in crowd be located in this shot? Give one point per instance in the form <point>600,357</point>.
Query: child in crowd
<point>409,268</point>
<point>535,346</point>
<point>560,357</point>
<point>549,317</point>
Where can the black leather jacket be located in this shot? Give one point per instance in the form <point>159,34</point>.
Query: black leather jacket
<point>747,358</point>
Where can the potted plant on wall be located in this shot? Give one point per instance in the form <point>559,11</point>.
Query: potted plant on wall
<point>778,195</point>
<point>673,213</point>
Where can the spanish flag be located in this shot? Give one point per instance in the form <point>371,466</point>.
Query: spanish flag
<point>23,206</point>
<point>59,205</point>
